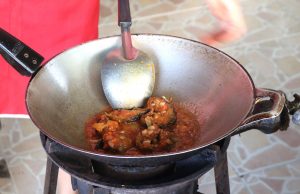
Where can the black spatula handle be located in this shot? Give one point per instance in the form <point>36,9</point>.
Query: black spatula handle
<point>124,17</point>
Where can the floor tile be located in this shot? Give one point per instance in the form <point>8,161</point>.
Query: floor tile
<point>207,184</point>
<point>277,179</point>
<point>4,173</point>
<point>6,186</point>
<point>24,156</point>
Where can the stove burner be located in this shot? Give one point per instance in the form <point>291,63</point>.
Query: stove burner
<point>131,174</point>
<point>180,177</point>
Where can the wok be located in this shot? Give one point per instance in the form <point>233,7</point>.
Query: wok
<point>66,91</point>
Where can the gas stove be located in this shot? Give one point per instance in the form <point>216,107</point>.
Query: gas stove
<point>91,176</point>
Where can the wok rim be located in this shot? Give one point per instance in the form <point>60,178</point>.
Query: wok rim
<point>144,157</point>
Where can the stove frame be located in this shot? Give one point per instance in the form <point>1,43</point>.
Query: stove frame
<point>85,182</point>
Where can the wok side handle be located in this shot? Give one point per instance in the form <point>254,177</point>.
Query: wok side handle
<point>20,56</point>
<point>269,115</point>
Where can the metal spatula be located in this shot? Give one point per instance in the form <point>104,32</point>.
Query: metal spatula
<point>128,74</point>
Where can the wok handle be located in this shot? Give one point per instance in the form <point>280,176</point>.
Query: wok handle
<point>21,57</point>
<point>269,114</point>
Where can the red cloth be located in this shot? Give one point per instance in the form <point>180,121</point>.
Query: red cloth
<point>48,27</point>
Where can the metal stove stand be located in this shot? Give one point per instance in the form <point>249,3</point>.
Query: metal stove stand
<point>94,177</point>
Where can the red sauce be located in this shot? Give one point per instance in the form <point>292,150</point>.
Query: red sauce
<point>186,130</point>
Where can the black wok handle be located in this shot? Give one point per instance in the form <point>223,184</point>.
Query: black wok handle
<point>21,57</point>
<point>270,113</point>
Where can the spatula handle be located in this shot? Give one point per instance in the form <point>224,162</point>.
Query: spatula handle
<point>124,17</point>
<point>124,21</point>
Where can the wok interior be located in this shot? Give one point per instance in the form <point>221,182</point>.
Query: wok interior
<point>67,91</point>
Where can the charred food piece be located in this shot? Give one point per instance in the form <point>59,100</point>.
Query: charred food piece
<point>155,139</point>
<point>117,140</point>
<point>120,139</point>
<point>115,136</point>
<point>161,112</point>
<point>105,124</point>
<point>112,135</point>
<point>148,139</point>
<point>124,115</point>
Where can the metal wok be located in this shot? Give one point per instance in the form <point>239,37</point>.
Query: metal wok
<point>66,91</point>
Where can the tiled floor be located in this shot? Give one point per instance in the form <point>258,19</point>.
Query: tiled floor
<point>270,51</point>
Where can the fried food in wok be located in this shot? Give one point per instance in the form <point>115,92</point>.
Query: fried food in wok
<point>161,112</point>
<point>156,128</point>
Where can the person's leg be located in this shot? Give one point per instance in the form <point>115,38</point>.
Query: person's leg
<point>64,185</point>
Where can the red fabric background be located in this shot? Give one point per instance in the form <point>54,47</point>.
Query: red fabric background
<point>48,27</point>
